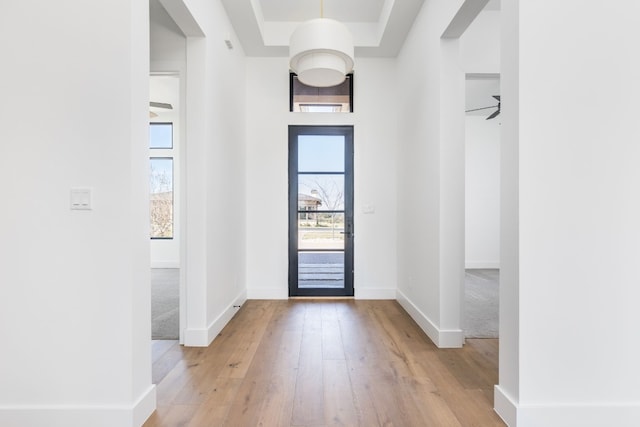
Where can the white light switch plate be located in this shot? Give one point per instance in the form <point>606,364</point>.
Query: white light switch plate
<point>81,199</point>
<point>368,209</point>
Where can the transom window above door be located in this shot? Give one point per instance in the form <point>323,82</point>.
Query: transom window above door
<point>308,99</point>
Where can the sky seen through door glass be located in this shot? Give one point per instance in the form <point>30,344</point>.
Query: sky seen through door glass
<point>321,153</point>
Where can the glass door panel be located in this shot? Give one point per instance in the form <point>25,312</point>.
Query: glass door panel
<point>320,231</point>
<point>321,270</point>
<point>322,192</point>
<point>321,153</point>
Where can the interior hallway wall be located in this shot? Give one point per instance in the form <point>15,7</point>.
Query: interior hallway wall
<point>570,233</point>
<point>430,177</point>
<point>75,293</point>
<point>375,137</point>
<point>482,192</point>
<point>214,151</point>
<point>480,44</point>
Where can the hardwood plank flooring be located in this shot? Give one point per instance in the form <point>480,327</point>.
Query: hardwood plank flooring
<point>307,363</point>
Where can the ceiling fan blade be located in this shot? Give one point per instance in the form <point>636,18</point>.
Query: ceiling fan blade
<point>479,109</point>
<point>152,115</point>
<point>161,105</point>
<point>497,97</point>
<point>494,115</point>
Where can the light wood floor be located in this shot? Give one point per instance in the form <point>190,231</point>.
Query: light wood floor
<point>325,363</point>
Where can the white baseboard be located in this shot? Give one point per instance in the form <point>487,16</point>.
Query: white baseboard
<point>578,416</point>
<point>144,407</point>
<point>443,338</point>
<point>196,337</point>
<point>268,293</point>
<point>505,406</point>
<point>375,293</point>
<point>360,293</point>
<point>559,415</point>
<point>80,416</point>
<point>165,264</point>
<point>470,265</point>
<point>217,325</point>
<point>202,337</point>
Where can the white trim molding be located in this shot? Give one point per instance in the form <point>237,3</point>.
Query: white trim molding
<point>268,293</point>
<point>482,264</point>
<point>165,264</point>
<point>375,293</point>
<point>196,337</point>
<point>564,415</point>
<point>505,406</point>
<point>81,416</point>
<point>442,338</point>
<point>201,337</point>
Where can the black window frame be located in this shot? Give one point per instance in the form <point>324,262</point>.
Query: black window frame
<point>293,75</point>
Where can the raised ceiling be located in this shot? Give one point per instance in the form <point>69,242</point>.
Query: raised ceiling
<point>379,27</point>
<point>302,10</point>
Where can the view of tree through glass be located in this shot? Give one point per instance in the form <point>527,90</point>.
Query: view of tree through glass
<point>161,182</point>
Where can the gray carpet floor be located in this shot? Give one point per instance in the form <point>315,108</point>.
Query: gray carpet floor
<point>165,303</point>
<point>481,303</point>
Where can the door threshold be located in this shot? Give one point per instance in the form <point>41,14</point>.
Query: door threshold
<point>323,297</point>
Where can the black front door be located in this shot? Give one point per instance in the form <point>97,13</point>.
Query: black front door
<point>320,211</point>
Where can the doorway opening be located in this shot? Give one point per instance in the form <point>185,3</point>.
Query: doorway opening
<point>320,211</point>
<point>471,52</point>
<point>164,205</point>
<point>482,206</point>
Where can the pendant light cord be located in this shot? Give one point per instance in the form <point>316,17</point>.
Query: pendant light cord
<point>321,8</point>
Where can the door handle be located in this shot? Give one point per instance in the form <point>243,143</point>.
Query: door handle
<point>348,229</point>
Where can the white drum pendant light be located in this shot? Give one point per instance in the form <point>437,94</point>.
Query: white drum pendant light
<point>321,52</point>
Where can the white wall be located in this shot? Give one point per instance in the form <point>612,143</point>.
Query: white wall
<point>431,176</point>
<point>480,44</point>
<point>212,160</point>
<point>168,42</point>
<point>375,139</point>
<point>214,163</point>
<point>576,206</point>
<point>482,192</point>
<point>74,294</point>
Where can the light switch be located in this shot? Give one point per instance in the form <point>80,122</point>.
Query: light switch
<point>368,209</point>
<point>81,199</point>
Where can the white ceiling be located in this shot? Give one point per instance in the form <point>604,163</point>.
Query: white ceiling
<point>493,5</point>
<point>379,27</point>
<point>303,10</point>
